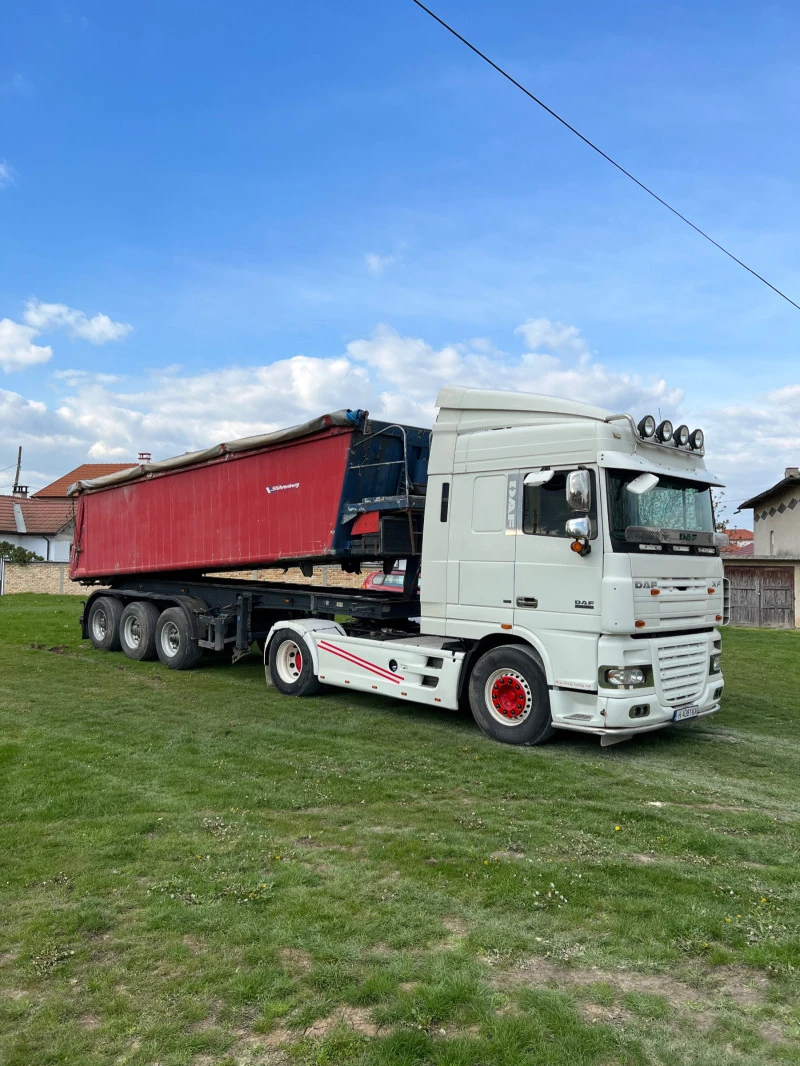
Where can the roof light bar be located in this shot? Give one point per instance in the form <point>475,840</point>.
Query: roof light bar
<point>696,440</point>
<point>681,436</point>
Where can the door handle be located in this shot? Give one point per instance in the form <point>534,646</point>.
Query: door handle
<point>527,601</point>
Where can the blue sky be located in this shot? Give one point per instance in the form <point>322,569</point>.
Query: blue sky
<point>253,188</point>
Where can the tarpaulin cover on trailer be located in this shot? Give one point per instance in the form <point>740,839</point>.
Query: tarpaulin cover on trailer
<point>243,444</point>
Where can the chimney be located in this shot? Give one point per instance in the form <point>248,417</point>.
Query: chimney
<point>145,457</point>
<point>792,471</point>
<point>20,491</point>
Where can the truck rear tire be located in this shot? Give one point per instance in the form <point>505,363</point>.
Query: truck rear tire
<point>291,667</point>
<point>103,623</point>
<point>175,643</point>
<point>509,697</point>
<point>137,630</point>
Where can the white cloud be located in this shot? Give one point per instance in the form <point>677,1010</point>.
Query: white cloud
<point>17,350</point>
<point>6,175</point>
<point>97,330</point>
<point>376,264</point>
<point>104,417</point>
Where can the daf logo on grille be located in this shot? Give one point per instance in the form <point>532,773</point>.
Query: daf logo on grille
<point>645,584</point>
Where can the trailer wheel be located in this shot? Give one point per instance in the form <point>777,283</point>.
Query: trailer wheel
<point>137,630</point>
<point>509,698</point>
<point>291,667</point>
<point>175,643</point>
<point>103,623</point>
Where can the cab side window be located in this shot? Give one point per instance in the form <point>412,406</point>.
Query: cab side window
<point>544,507</point>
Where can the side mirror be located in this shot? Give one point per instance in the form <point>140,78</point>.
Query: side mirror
<point>580,528</point>
<point>642,484</point>
<point>579,490</point>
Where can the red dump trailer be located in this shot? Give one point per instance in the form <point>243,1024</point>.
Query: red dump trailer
<point>341,489</point>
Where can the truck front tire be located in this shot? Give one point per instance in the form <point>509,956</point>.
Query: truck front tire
<point>137,630</point>
<point>291,667</point>
<point>509,697</point>
<point>103,623</point>
<point>176,645</point>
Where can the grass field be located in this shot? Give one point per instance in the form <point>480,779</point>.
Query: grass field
<point>195,870</point>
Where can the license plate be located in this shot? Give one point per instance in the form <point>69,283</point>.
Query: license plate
<point>683,713</point>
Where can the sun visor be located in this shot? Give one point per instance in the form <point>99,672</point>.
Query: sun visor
<point>659,461</point>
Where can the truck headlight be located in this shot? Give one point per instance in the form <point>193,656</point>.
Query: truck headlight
<point>715,667</point>
<point>625,675</point>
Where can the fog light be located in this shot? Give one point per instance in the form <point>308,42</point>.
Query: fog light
<point>625,675</point>
<point>641,710</point>
<point>647,427</point>
<point>717,692</point>
<point>715,666</point>
<point>664,431</point>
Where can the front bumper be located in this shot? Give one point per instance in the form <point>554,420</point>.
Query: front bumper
<point>609,716</point>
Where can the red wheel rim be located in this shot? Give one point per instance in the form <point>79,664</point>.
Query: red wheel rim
<point>509,698</point>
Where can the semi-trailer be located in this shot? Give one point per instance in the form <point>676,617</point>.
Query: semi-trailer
<point>562,569</point>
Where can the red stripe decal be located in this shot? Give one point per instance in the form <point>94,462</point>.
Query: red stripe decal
<point>323,645</point>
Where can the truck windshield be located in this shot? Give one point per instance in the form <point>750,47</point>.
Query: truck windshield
<point>674,505</point>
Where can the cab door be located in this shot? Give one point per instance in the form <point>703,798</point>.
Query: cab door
<point>557,590</point>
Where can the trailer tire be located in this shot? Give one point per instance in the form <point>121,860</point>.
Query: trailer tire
<point>176,645</point>
<point>509,697</point>
<point>291,667</point>
<point>103,623</point>
<point>137,630</point>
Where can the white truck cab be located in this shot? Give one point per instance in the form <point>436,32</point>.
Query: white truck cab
<point>571,577</point>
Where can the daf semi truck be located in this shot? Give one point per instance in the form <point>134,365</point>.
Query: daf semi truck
<point>562,566</point>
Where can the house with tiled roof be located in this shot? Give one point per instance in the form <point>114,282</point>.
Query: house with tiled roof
<point>43,526</point>
<point>764,572</point>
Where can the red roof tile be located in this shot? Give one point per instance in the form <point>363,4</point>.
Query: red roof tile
<point>739,534</point>
<point>39,516</point>
<point>58,489</point>
<point>738,551</point>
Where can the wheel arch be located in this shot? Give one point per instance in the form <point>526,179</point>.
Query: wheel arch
<point>499,640</point>
<point>303,627</point>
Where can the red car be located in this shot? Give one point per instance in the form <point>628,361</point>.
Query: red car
<point>390,582</point>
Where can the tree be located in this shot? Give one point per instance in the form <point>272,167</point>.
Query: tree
<point>721,520</point>
<point>12,553</point>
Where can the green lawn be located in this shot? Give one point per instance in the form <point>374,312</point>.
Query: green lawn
<point>194,869</point>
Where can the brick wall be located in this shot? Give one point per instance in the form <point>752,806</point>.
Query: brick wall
<point>41,577</point>
<point>323,575</point>
<point>54,578</point>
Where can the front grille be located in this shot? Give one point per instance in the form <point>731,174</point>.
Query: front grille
<point>682,670</point>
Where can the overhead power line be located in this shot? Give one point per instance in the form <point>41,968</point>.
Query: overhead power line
<point>600,152</point>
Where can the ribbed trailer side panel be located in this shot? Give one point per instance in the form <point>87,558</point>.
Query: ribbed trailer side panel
<point>232,512</point>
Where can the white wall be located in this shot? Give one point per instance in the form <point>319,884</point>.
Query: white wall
<point>778,535</point>
<point>59,545</point>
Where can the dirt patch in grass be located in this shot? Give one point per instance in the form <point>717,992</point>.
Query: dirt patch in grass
<point>296,960</point>
<point>745,987</point>
<point>195,944</point>
<point>643,857</point>
<point>507,855</point>
<point>88,1021</point>
<point>356,1018</point>
<point>457,928</point>
<point>595,1014</point>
